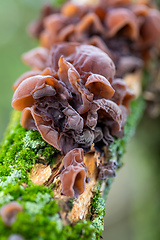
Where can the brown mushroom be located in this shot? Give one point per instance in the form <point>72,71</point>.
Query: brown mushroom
<point>124,20</point>
<point>36,58</point>
<point>74,174</point>
<point>85,59</point>
<point>25,76</point>
<point>150,30</point>
<point>108,109</point>
<point>49,134</point>
<point>87,22</point>
<point>9,212</point>
<point>99,86</point>
<point>23,94</point>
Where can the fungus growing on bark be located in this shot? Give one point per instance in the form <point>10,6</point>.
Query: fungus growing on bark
<point>73,175</point>
<point>121,19</point>
<point>107,170</point>
<point>9,212</point>
<point>74,103</point>
<point>63,102</point>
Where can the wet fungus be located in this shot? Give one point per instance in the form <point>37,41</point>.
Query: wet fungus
<point>69,101</point>
<point>73,176</point>
<point>74,102</point>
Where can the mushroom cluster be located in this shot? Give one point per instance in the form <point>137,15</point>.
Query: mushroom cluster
<point>125,30</point>
<point>74,101</point>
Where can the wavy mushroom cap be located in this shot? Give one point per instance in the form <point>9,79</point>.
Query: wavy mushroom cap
<point>99,86</point>
<point>74,174</point>
<point>86,59</point>
<point>22,97</point>
<point>68,102</point>
<point>150,29</point>
<point>36,58</point>
<point>123,95</point>
<point>24,76</point>
<point>121,20</point>
<point>9,212</point>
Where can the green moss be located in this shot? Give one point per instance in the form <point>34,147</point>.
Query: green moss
<point>81,230</point>
<point>21,149</point>
<point>97,211</point>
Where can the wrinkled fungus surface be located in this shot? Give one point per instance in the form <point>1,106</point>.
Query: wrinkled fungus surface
<point>73,175</point>
<point>74,102</point>
<point>121,28</point>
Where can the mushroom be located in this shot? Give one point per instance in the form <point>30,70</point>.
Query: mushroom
<point>99,86</point>
<point>9,212</point>
<point>74,173</point>
<point>36,58</point>
<point>23,94</point>
<point>24,76</point>
<point>124,20</point>
<point>68,102</point>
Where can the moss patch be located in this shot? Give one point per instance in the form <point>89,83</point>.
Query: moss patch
<point>21,149</point>
<point>98,212</point>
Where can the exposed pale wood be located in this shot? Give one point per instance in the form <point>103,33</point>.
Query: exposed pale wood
<point>134,82</point>
<point>40,173</point>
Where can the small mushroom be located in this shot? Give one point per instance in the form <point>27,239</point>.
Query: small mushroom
<point>74,174</point>
<point>36,58</point>
<point>25,76</point>
<point>123,95</point>
<point>150,30</point>
<point>119,19</point>
<point>9,212</point>
<point>27,120</point>
<point>108,109</point>
<point>99,86</point>
<point>23,94</point>
<point>107,170</point>
<point>49,134</point>
<point>89,21</point>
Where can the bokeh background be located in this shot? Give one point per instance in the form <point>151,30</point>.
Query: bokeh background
<point>133,204</point>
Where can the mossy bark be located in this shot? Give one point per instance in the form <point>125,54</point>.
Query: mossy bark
<point>45,216</point>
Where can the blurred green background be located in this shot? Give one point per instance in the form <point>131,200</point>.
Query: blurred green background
<point>133,204</point>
